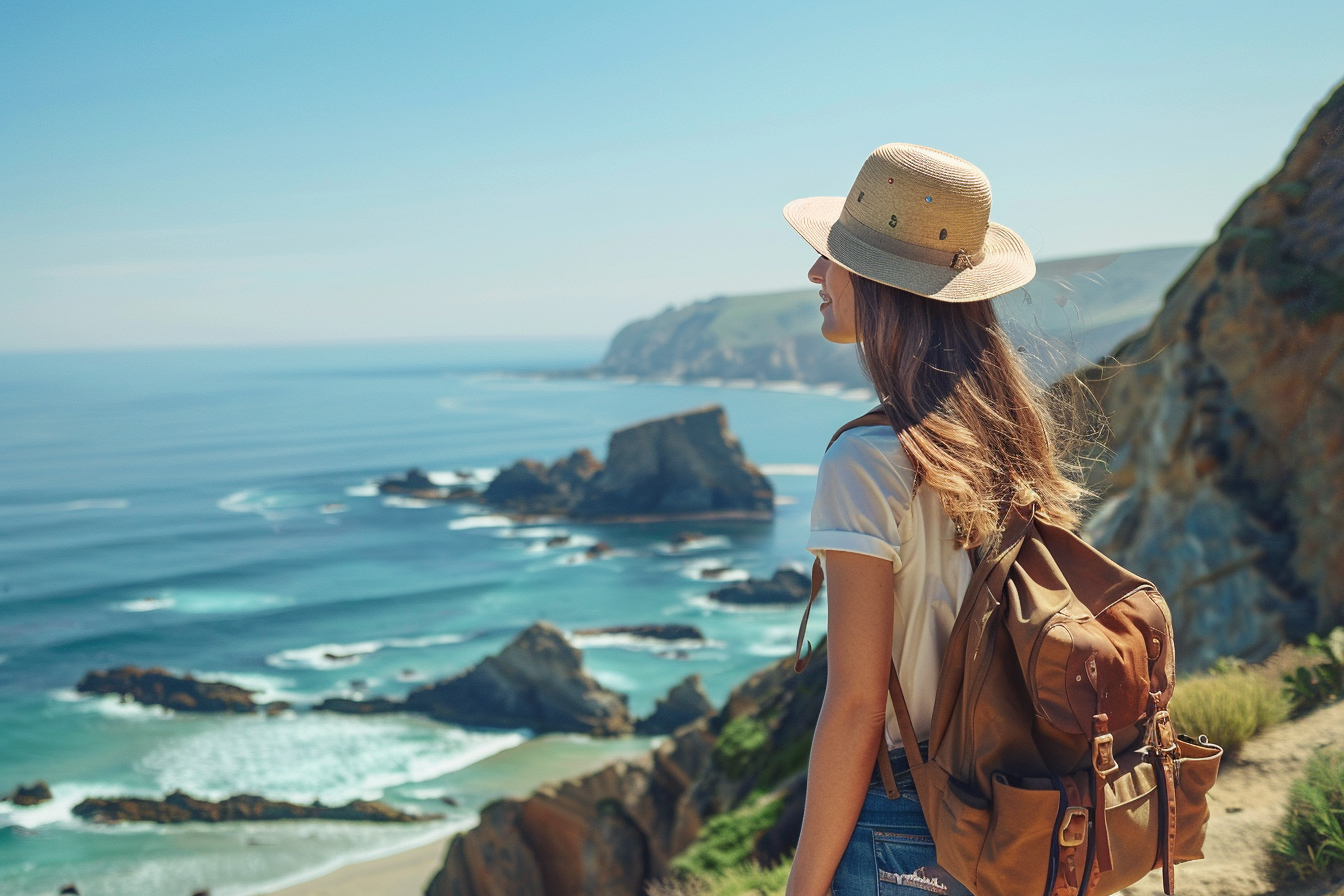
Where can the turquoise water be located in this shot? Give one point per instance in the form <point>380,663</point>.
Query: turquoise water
<point>167,508</point>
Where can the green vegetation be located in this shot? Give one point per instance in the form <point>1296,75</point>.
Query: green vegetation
<point>1322,681</point>
<point>1309,842</point>
<point>726,841</point>
<point>746,880</point>
<point>739,743</point>
<point>1231,704</point>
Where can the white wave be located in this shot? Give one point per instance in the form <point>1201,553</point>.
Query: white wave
<point>785,386</point>
<point>480,521</point>
<point>337,656</point>
<point>785,500</point>
<point>146,604</point>
<point>264,688</point>
<point>690,545</point>
<point>334,507</point>
<point>111,705</point>
<point>789,469</point>
<point>215,600</point>
<point>617,681</point>
<point>532,532</point>
<point>641,642</point>
<point>277,506</point>
<point>772,649</point>
<point>320,756</point>
<point>367,490</point>
<point>705,602</point>
<point>66,506</point>
<point>65,796</point>
<point>858,395</point>
<point>713,571</point>
<point>408,503</point>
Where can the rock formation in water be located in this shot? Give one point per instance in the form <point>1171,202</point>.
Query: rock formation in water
<point>177,807</point>
<point>29,795</point>
<point>158,687</point>
<point>531,487</point>
<point>536,682</point>
<point>615,830</point>
<point>785,586</point>
<point>416,484</point>
<point>686,465</point>
<point>686,702</point>
<point>663,631</point>
<point>1227,421</point>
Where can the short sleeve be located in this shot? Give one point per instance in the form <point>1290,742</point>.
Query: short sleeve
<point>863,492</point>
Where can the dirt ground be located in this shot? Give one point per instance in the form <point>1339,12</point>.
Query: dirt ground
<point>1245,807</point>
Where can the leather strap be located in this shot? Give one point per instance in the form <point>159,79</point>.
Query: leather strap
<point>1167,814</point>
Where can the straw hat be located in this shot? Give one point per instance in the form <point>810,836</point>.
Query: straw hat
<point>917,219</point>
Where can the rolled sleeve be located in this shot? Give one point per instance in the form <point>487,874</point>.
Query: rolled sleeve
<point>862,494</point>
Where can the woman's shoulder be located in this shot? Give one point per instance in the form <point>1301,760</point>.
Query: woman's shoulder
<point>873,450</point>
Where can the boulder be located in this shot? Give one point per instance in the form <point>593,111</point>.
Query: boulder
<point>360,707</point>
<point>668,632</point>
<point>785,586</point>
<point>608,832</point>
<point>1226,418</point>
<point>177,807</point>
<point>685,703</point>
<point>683,466</point>
<point>531,487</point>
<point>158,687</point>
<point>416,484</point>
<point>536,682</point>
<point>29,795</point>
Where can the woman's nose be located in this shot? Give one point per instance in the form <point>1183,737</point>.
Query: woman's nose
<point>818,272</point>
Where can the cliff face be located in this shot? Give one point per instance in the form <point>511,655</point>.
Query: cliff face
<point>1227,418</point>
<point>685,465</point>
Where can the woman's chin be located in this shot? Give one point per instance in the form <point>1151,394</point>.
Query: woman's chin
<point>831,335</point>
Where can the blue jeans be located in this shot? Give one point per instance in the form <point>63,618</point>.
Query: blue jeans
<point>890,852</point>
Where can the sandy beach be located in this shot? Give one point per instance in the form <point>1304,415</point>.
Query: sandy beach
<point>403,874</point>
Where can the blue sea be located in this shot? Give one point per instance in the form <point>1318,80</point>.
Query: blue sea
<point>213,512</point>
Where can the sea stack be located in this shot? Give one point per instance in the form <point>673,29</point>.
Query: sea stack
<point>684,466</point>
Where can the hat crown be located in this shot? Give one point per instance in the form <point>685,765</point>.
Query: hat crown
<point>920,196</point>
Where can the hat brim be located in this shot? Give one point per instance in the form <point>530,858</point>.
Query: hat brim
<point>1006,266</point>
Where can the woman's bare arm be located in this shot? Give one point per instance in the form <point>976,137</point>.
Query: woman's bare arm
<point>860,598</point>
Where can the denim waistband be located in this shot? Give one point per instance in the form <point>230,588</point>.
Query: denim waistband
<point>900,764</point>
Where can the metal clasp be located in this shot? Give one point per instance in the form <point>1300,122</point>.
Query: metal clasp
<point>1103,755</point>
<point>1069,834</point>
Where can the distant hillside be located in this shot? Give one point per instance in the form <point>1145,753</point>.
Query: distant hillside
<point>1077,309</point>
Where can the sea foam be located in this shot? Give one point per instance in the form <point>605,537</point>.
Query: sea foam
<point>336,656</point>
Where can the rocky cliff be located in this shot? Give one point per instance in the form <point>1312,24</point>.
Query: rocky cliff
<point>617,829</point>
<point>1227,420</point>
<point>178,808</point>
<point>687,465</point>
<point>1080,308</point>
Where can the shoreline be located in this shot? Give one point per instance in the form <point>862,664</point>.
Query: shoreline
<point>404,873</point>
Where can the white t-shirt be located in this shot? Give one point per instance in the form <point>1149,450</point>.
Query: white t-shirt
<point>863,505</point>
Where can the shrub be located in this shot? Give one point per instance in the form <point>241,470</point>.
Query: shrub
<point>727,840</point>
<point>747,879</point>
<point>739,743</point>
<point>1309,842</point>
<point>1230,706</point>
<point>1317,683</point>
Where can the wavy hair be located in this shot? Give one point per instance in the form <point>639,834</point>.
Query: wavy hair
<point>973,422</point>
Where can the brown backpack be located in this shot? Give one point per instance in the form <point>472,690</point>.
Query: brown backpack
<point>1053,767</point>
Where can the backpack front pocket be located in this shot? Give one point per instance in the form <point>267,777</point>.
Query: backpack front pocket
<point>1023,824</point>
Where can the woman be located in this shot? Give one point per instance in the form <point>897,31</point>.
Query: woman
<point>909,260</point>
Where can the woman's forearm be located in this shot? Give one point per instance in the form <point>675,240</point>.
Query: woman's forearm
<point>844,750</point>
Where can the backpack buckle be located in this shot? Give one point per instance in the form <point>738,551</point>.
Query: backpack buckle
<point>1073,829</point>
<point>1166,732</point>
<point>1103,755</point>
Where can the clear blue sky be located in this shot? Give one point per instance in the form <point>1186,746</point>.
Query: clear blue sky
<point>238,173</point>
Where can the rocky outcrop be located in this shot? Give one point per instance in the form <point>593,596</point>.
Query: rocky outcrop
<point>416,484</point>
<point>30,795</point>
<point>1226,488</point>
<point>536,682</point>
<point>785,586</point>
<point>686,702</point>
<point>158,687</point>
<point>663,631</point>
<point>615,830</point>
<point>608,832</point>
<point>531,487</point>
<point>177,807</point>
<point>686,465</point>
<point>371,706</point>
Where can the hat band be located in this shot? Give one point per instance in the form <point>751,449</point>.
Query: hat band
<point>878,240</point>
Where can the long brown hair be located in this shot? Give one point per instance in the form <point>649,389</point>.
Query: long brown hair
<point>973,422</point>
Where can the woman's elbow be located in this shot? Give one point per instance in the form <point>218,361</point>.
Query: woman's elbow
<point>856,707</point>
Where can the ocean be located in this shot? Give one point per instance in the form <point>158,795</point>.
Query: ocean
<point>213,512</point>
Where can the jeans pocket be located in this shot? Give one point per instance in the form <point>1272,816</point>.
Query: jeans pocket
<point>906,865</point>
